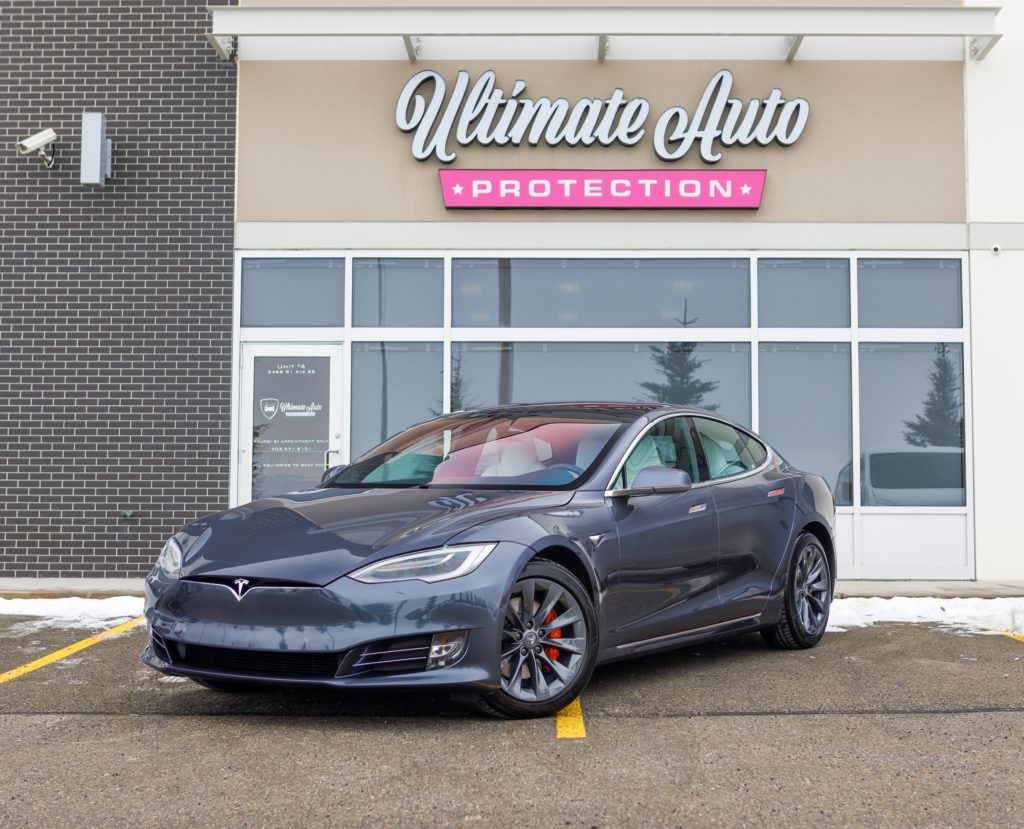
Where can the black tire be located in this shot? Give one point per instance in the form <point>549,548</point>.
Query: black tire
<point>226,686</point>
<point>502,703</point>
<point>805,605</point>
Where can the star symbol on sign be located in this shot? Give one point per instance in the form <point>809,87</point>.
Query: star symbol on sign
<point>457,189</point>
<point>745,189</point>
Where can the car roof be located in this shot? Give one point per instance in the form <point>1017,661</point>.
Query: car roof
<point>615,409</point>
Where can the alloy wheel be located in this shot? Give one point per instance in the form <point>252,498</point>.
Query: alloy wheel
<point>543,640</point>
<point>812,585</point>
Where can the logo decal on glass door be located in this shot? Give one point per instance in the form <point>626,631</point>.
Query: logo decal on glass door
<point>269,406</point>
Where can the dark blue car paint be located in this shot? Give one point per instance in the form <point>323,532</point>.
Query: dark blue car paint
<point>656,583</point>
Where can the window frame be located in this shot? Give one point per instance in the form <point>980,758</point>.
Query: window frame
<point>850,518</point>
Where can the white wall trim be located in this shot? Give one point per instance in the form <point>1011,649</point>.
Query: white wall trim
<point>559,235</point>
<point>1007,235</point>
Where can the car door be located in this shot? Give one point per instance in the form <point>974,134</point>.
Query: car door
<point>667,573</point>
<point>755,505</point>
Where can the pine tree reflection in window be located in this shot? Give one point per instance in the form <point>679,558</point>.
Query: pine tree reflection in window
<point>678,365</point>
<point>918,460</point>
<point>941,423</point>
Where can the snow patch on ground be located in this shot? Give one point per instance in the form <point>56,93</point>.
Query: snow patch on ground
<point>968,615</point>
<point>91,614</point>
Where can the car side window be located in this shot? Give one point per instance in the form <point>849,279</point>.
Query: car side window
<point>728,451</point>
<point>667,443</point>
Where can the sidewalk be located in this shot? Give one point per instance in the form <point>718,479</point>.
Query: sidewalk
<point>940,589</point>
<point>101,588</point>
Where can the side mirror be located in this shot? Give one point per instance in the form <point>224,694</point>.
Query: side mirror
<point>331,472</point>
<point>656,480</point>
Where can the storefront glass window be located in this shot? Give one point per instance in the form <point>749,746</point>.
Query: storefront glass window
<point>909,293</point>
<point>809,423</point>
<point>574,293</point>
<point>714,376</point>
<point>912,424</point>
<point>397,292</point>
<point>293,292</point>
<point>394,385</point>
<point>803,293</point>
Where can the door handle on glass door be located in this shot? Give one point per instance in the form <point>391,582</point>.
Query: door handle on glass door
<point>327,457</point>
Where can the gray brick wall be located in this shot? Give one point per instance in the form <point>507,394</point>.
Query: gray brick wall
<point>115,302</point>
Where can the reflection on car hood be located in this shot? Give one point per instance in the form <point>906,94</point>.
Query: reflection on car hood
<point>316,537</point>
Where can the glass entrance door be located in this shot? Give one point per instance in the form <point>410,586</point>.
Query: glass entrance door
<point>289,417</point>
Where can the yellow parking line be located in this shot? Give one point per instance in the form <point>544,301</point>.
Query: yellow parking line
<point>1018,636</point>
<point>63,653</point>
<point>569,722</point>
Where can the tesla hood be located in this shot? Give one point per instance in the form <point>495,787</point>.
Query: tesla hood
<point>317,537</point>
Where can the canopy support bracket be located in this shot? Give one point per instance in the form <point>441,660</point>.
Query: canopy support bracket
<point>793,46</point>
<point>224,46</point>
<point>979,47</point>
<point>412,47</point>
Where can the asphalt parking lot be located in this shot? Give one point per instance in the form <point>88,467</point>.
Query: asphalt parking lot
<point>892,725</point>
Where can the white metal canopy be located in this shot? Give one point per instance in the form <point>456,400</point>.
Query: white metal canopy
<point>786,28</point>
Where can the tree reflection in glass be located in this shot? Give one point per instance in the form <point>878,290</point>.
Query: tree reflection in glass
<point>942,421</point>
<point>678,364</point>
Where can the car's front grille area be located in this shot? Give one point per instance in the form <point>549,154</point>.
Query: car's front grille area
<point>389,656</point>
<point>307,664</point>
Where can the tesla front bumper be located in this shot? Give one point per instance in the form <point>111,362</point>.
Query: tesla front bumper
<point>345,634</point>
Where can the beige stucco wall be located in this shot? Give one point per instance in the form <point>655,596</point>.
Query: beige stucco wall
<point>884,142</point>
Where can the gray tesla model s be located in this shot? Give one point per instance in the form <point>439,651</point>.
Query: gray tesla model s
<point>502,554</point>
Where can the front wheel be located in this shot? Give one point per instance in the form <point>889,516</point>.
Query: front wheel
<point>808,597</point>
<point>548,643</point>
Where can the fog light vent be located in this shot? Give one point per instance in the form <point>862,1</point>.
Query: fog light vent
<point>447,648</point>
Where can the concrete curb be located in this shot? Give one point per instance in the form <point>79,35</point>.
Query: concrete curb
<point>65,588</point>
<point>936,589</point>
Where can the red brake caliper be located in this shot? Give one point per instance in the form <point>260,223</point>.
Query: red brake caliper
<point>554,634</point>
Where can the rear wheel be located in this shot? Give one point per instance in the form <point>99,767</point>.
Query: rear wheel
<point>548,643</point>
<point>808,597</point>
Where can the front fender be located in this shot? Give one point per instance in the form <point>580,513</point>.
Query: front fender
<point>585,534</point>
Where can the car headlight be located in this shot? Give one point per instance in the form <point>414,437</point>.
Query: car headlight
<point>169,560</point>
<point>429,566</point>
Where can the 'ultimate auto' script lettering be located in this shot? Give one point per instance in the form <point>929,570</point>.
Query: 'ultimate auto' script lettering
<point>482,113</point>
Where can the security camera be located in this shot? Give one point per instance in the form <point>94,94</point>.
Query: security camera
<point>996,248</point>
<point>38,144</point>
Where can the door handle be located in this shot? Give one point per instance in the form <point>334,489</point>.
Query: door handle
<point>701,507</point>
<point>327,457</point>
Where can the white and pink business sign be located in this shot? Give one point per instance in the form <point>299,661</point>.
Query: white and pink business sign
<point>442,117</point>
<point>603,189</point>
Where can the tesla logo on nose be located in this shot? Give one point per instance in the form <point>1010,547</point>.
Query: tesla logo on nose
<point>240,588</point>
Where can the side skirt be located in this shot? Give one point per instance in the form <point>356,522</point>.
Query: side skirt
<point>733,627</point>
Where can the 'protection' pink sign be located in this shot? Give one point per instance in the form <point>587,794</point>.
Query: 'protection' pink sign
<point>630,189</point>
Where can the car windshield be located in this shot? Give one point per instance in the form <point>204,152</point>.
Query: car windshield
<point>521,450</point>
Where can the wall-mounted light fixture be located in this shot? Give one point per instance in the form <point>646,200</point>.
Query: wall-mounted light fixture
<point>96,149</point>
<point>39,144</point>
